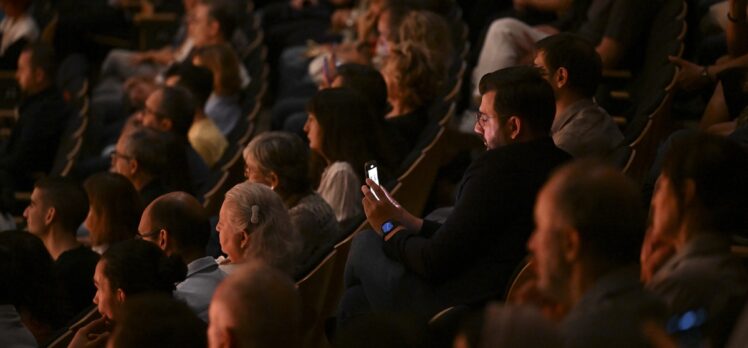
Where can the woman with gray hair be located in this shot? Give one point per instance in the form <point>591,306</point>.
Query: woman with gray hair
<point>280,161</point>
<point>253,224</point>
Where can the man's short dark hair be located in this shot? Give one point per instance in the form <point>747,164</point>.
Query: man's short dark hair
<point>183,217</point>
<point>578,56</point>
<point>523,92</point>
<point>68,198</point>
<point>168,323</point>
<point>225,14</point>
<point>718,168</point>
<point>178,106</point>
<point>43,57</point>
<point>197,80</point>
<point>149,148</point>
<point>604,206</point>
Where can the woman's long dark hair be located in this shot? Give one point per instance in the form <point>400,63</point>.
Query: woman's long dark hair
<point>351,132</point>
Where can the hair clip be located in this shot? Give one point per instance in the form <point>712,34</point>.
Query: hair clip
<point>255,218</point>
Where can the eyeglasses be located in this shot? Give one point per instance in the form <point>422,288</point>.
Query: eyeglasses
<point>114,155</point>
<point>147,235</point>
<point>481,119</point>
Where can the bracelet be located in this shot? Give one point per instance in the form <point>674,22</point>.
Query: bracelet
<point>735,20</point>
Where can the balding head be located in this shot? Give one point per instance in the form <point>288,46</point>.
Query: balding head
<point>256,306</point>
<point>177,223</point>
<point>588,216</point>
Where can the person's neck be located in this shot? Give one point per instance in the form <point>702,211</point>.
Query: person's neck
<point>398,109</point>
<point>141,181</point>
<point>565,99</point>
<point>199,115</point>
<point>59,241</point>
<point>584,275</point>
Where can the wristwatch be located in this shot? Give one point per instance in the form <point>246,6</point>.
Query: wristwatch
<point>388,226</point>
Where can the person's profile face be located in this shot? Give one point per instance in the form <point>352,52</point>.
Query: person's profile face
<point>199,25</point>
<point>229,236</point>
<point>105,298</point>
<point>553,270</point>
<point>254,173</point>
<point>313,133</point>
<point>93,226</point>
<point>488,125</point>
<point>35,213</point>
<point>665,213</point>
<point>25,72</point>
<point>120,159</point>
<point>149,115</point>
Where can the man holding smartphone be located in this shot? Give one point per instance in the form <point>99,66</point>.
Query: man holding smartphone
<point>422,266</point>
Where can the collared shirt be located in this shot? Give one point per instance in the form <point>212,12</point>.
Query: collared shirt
<point>704,275</point>
<point>203,277</point>
<point>585,129</point>
<point>14,29</point>
<point>224,111</point>
<point>611,312</point>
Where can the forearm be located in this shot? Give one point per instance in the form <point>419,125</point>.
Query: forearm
<point>739,62</point>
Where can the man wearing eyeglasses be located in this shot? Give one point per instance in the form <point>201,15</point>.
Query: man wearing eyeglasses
<point>177,223</point>
<point>422,266</point>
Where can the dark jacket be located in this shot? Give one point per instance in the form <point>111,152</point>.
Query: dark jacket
<point>471,256</point>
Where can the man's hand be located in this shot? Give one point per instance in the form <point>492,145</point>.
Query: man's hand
<point>689,77</point>
<point>386,208</point>
<point>94,334</point>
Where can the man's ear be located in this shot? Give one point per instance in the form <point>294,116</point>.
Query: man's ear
<point>571,244</point>
<point>120,295</point>
<point>133,166</point>
<point>689,192</point>
<point>165,124</point>
<point>163,239</point>
<point>561,77</point>
<point>51,213</point>
<point>215,28</point>
<point>514,127</point>
<point>38,75</point>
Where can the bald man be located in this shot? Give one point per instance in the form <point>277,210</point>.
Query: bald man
<point>256,306</point>
<point>177,223</point>
<point>589,230</point>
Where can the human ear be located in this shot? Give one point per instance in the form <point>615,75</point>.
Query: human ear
<point>570,244</point>
<point>562,77</point>
<point>163,239</point>
<point>515,126</point>
<point>120,295</point>
<point>273,180</point>
<point>51,212</point>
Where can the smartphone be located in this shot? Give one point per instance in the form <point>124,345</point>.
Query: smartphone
<point>370,168</point>
<point>371,171</point>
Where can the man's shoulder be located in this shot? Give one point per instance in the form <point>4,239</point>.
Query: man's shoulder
<point>538,152</point>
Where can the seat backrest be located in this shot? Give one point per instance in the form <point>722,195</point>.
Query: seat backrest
<point>71,142</point>
<point>223,179</point>
<point>414,186</point>
<point>313,290</point>
<point>522,275</point>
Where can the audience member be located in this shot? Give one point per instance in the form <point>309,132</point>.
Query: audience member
<point>589,229</point>
<point>127,269</point>
<point>42,115</point>
<point>699,201</point>
<point>29,286</point>
<point>177,223</point>
<point>172,110</point>
<point>58,206</point>
<point>154,320</point>
<point>256,306</point>
<point>573,68</point>
<point>614,27</point>
<point>253,224</point>
<point>17,30</point>
<point>222,106</point>
<point>114,210</point>
<point>152,161</point>
<point>510,326</point>
<point>424,266</point>
<point>204,135</point>
<point>334,115</point>
<point>280,161</point>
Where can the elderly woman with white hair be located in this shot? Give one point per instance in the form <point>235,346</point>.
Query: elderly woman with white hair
<point>253,224</point>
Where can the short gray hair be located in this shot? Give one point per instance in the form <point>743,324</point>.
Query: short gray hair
<point>255,208</point>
